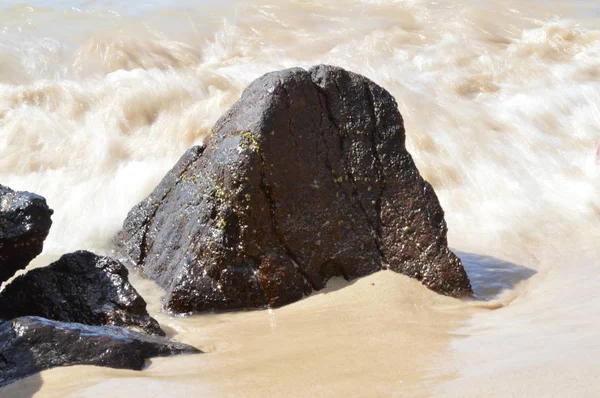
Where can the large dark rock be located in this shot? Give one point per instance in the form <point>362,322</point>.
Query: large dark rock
<point>80,287</point>
<point>30,344</point>
<point>24,224</point>
<point>304,178</point>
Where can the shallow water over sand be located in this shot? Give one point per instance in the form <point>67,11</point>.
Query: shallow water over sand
<point>500,101</point>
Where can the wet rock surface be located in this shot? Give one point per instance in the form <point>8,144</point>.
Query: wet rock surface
<point>80,287</point>
<point>24,224</point>
<point>31,344</point>
<point>306,177</point>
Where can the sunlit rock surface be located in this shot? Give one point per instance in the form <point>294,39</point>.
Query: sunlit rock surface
<point>24,224</point>
<point>306,177</point>
<point>80,287</point>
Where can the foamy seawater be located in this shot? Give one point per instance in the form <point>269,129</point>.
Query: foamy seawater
<point>98,99</point>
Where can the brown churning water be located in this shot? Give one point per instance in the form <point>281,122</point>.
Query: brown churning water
<point>98,99</point>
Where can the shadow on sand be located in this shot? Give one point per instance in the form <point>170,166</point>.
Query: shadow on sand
<point>22,388</point>
<point>491,276</point>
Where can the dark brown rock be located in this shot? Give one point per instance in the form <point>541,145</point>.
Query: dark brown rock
<point>30,344</point>
<point>80,287</point>
<point>306,177</point>
<point>24,224</point>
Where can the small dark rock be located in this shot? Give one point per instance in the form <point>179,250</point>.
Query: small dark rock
<point>80,287</point>
<point>31,344</point>
<point>306,177</point>
<point>24,224</point>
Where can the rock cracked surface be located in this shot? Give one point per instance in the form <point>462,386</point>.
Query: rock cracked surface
<point>306,177</point>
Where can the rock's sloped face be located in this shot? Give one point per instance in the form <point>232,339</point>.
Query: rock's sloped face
<point>80,287</point>
<point>304,178</point>
<point>24,224</point>
<point>30,344</point>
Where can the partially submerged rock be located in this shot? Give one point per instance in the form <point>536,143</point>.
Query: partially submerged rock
<point>306,177</point>
<point>24,224</point>
<point>80,287</point>
<point>30,344</point>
